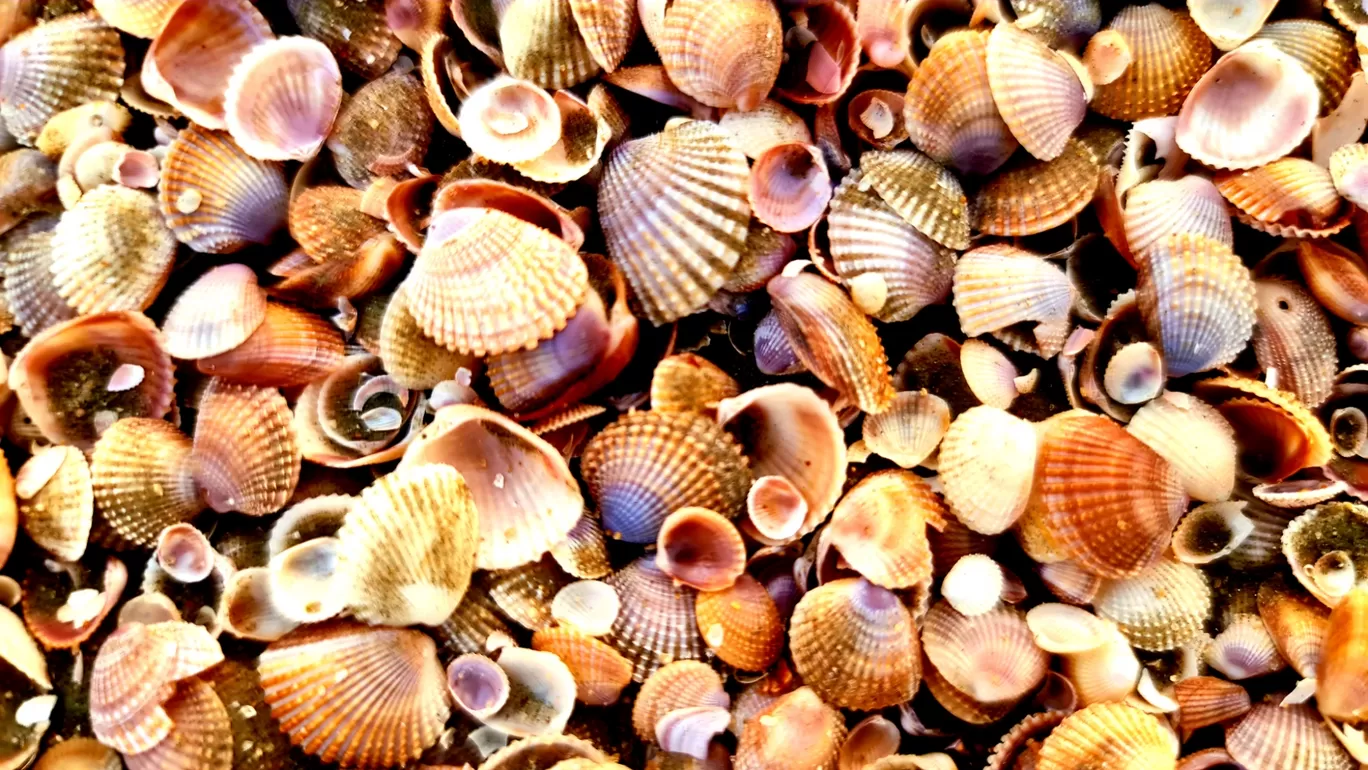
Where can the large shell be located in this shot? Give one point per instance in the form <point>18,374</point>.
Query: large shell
<point>541,42</point>
<point>1289,197</point>
<point>992,658</point>
<point>723,56</point>
<point>987,466</point>
<point>999,286</point>
<point>647,465</point>
<point>1110,736</point>
<point>58,513</point>
<point>358,34</point>
<point>360,152</point>
<point>112,251</point>
<point>328,224</point>
<point>282,99</point>
<point>1323,49</point>
<point>1160,609</point>
<point>1168,53</point>
<point>1340,693</point>
<point>1293,337</point>
<point>359,696</point>
<point>656,623</point>
<point>797,730</point>
<point>142,478</point>
<point>1163,207</point>
<point>1037,92</point>
<point>675,214</point>
<point>949,110</point>
<point>215,314</point>
<point>139,18</point>
<point>1337,277</point>
<point>1033,196</point>
<point>855,644</point>
<point>55,66</point>
<point>880,528</point>
<point>1095,480</point>
<point>1318,547</point>
<point>246,456</point>
<point>1193,437</point>
<point>217,198</point>
<point>194,54</point>
<point>291,347</point>
<point>1271,737</point>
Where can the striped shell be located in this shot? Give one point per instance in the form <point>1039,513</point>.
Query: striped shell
<point>215,314</point>
<point>722,55</point>
<point>1109,736</point>
<point>741,624</point>
<point>796,730</point>
<point>1033,196</point>
<point>58,514</point>
<point>1323,49</point>
<point>142,478</point>
<point>541,42</point>
<point>999,286</point>
<point>1160,609</point>
<point>1270,737</point>
<point>656,623</point>
<point>880,528</point>
<point>1291,197</point>
<point>925,194</point>
<point>1164,207</point>
<point>992,658</point>
<point>201,737</point>
<point>949,109</point>
<point>112,251</point>
<point>608,27</point>
<point>1037,92</point>
<point>217,198</point>
<point>1169,54</point>
<point>245,453</point>
<point>291,347</point>
<point>55,66</point>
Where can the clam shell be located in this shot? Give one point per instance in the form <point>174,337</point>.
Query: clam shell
<point>526,593</point>
<point>1094,480</point>
<point>1206,700</point>
<point>1230,22</point>
<point>510,121</point>
<point>647,465</point>
<point>1169,53</point>
<point>1293,337</point>
<point>217,198</point>
<point>410,356</point>
<point>775,510</point>
<point>1337,278</point>
<point>1070,582</point>
<point>1135,374</point>
<point>1314,546</point>
<point>215,314</point>
<point>542,693</point>
<point>1036,91</point>
<point>656,624</point>
<point>30,292</point>
<point>1033,196</point>
<point>1285,738</point>
<point>282,99</point>
<point>388,704</point>
<point>291,347</point>
<point>764,255</point>
<point>1164,207</point>
<point>655,191</point>
<point>1198,301</point>
<point>1258,412</point>
<point>1061,23</point>
<point>478,685</point>
<point>608,28</point>
<point>1297,622</point>
<point>1244,649</point>
<point>726,56</point>
<point>875,117</point>
<point>1289,197</point>
<point>741,624</point>
<point>358,34</point>
<point>583,553</point>
<point>541,42</point>
<point>855,644</point>
<point>1347,171</point>
<point>987,467</point>
<point>232,418</point>
<point>600,672</point>
<point>587,606</point>
<point>1109,735</point>
<point>925,194</point>
<point>700,548</point>
<point>142,478</point>
<point>329,225</point>
<point>58,512</point>
<point>112,251</point>
<point>1323,49</point>
<point>789,187</point>
<point>545,752</point>
<point>682,684</point>
<point>363,154</point>
<point>769,124</point>
<point>194,55</point>
<point>583,137</point>
<point>1160,609</point>
<point>974,585</point>
<point>797,730</point>
<point>991,658</point>
<point>1210,532</point>
<point>879,528</point>
<point>1223,122</point>
<point>307,581</point>
<point>999,286</point>
<point>871,241</point>
<point>139,18</point>
<point>82,753</point>
<point>687,382</point>
<point>55,66</point>
<point>949,110</point>
<point>1194,438</point>
<point>910,430</point>
<point>821,62</point>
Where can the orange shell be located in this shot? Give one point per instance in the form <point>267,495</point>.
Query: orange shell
<point>1290,197</point>
<point>949,109</point>
<point>724,55</point>
<point>1110,735</point>
<point>880,528</point>
<point>201,738</point>
<point>681,684</point>
<point>245,454</point>
<point>600,672</point>
<point>142,479</point>
<point>1033,196</point>
<point>741,624</point>
<point>1169,54</point>
<point>797,730</point>
<point>291,347</point>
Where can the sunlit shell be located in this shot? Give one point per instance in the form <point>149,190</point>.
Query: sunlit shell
<point>215,314</point>
<point>999,286</point>
<point>1337,277</point>
<point>1259,412</point>
<point>722,56</point>
<point>247,609</point>
<point>1323,49</point>
<point>142,478</point>
<point>360,152</point>
<point>328,224</point>
<point>1297,622</point>
<point>1110,735</point>
<point>29,291</point>
<point>1290,196</point>
<point>675,215</point>
<point>599,671</point>
<point>797,729</point>
<point>1340,693</point>
<point>741,624</point>
<point>308,581</point>
<point>910,430</point>
<point>608,29</point>
<point>231,418</point>
<point>410,357</point>
<point>1169,53</point>
<point>1194,438</point>
<point>112,251</point>
<point>359,696</point>
<point>1207,700</point>
<point>987,465</point>
<point>687,382</point>
<point>543,693</point>
<point>768,124</point>
<point>583,138</point>
<point>139,18</point>
<point>879,528</point>
<point>789,187</point>
<point>924,194</point>
<point>1070,582</point>
<point>291,347</point>
<point>510,121</point>
<point>656,624</point>
<point>215,197</point>
<point>1270,737</point>
<point>1037,92</point>
<point>55,66</point>
<point>974,585</point>
<point>282,99</point>
<point>765,254</point>
<point>682,684</point>
<point>1160,609</point>
<point>56,503</point>
<point>1314,544</point>
<point>949,110</point>
<point>1032,196</point>
<point>1163,207</point>
<point>1230,22</point>
<point>358,34</point>
<point>991,658</point>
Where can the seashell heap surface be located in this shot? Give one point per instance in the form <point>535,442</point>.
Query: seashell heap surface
<point>666,384</point>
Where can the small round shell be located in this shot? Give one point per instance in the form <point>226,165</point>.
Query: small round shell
<point>741,624</point>
<point>282,99</point>
<point>1244,649</point>
<point>974,585</point>
<point>700,548</point>
<point>682,684</point>
<point>789,187</point>
<point>687,382</point>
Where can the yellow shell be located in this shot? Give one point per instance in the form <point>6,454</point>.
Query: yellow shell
<point>1324,49</point>
<point>687,382</point>
<point>139,18</point>
<point>55,66</point>
<point>797,730</point>
<point>949,109</point>
<point>112,251</point>
<point>1110,736</point>
<point>1169,54</point>
<point>741,624</point>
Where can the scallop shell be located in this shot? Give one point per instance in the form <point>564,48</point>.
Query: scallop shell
<point>291,347</point>
<point>682,684</point>
<point>1110,735</point>
<point>949,109</point>
<point>999,286</point>
<point>741,624</point>
<point>656,624</point>
<point>1337,277</point>
<point>1293,337</point>
<point>1244,649</point>
<point>925,195</point>
<point>1322,48</point>
<point>655,191</point>
<point>855,644</point>
<point>55,66</point>
<point>282,99</point>
<point>647,465</point>
<point>608,28</point>
<point>1297,622</point>
<point>687,382</point>
<point>1193,437</point>
<point>722,56</point>
<point>1285,738</point>
<point>217,198</point>
<point>139,18</point>
<point>987,467</point>
<point>879,528</point>
<point>362,154</point>
<point>600,672</point>
<point>232,418</point>
<point>358,34</point>
<point>1164,207</point>
<point>797,730</point>
<point>57,514</point>
<point>871,241</point>
<point>328,224</point>
<point>215,314</point>
<point>1160,609</point>
<point>112,251</point>
<point>1036,91</point>
<point>411,357</point>
<point>30,292</point>
<point>1096,480</point>
<point>991,658</point>
<point>359,696</point>
<point>1169,53</point>
<point>789,187</point>
<point>1033,196</point>
<point>1289,197</point>
<point>910,430</point>
<point>583,553</point>
<point>142,479</point>
<point>1206,700</point>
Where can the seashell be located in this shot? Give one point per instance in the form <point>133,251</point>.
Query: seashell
<point>991,376</point>
<point>1206,700</point>
<point>690,731</point>
<point>1229,23</point>
<point>1036,91</point>
<point>194,56</point>
<point>139,18</point>
<point>731,60</point>
<point>184,553</point>
<point>588,606</point>
<point>525,594</point>
<point>797,730</point>
<point>1210,532</point>
<point>510,121</point>
<point>1298,624</point>
<point>79,754</point>
<point>789,187</point>
<point>56,66</point>
<point>682,684</point>
<point>1347,165</point>
<point>1323,49</point>
<point>1033,196</point>
<point>1061,24</point>
<point>987,467</point>
<point>974,585</point>
<point>1163,207</point>
<point>910,430</point>
<point>1258,412</point>
<point>358,34</point>
<point>608,29</point>
<point>583,138</point>
<point>1159,609</point>
<point>1169,53</point>
<point>291,347</point>
<point>768,125</point>
<point>1107,56</point>
<point>855,644</point>
<point>1286,738</point>
<point>1290,196</point>
<point>200,738</point>
<point>470,628</point>
<point>28,181</point>
<point>546,751</point>
<point>541,43</point>
<point>1244,649</point>
<point>56,504</point>
<point>362,154</point>
<point>875,115</point>
<point>1293,337</point>
<point>233,478</point>
<point>282,99</point>
<point>1336,277</point>
<point>1194,438</point>
<point>1069,582</point>
<point>22,652</point>
<point>142,478</point>
<point>112,251</point>
<point>998,286</point>
<point>248,609</point>
<point>215,314</point>
<point>700,548</point>
<point>542,693</point>
<point>687,166</point>
<point>765,254</point>
<point>1079,457</point>
<point>821,56</point>
<point>1313,544</point>
<point>1109,735</point>
<point>687,382</point>
<point>583,553</point>
<point>924,194</point>
<point>1222,122</point>
<point>774,354</point>
<point>409,356</point>
<point>215,197</point>
<point>990,658</point>
<point>741,624</point>
<point>647,465</point>
<point>656,624</point>
<point>1135,374</point>
<point>959,705</point>
<point>949,109</point>
<point>29,291</point>
<point>308,583</point>
<point>600,672</point>
<point>478,685</point>
<point>775,510</point>
<point>1339,691</point>
<point>65,603</point>
<point>386,708</point>
<point>329,225</point>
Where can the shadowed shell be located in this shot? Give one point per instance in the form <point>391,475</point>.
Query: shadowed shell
<point>656,624</point>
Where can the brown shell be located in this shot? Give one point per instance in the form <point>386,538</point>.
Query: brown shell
<point>600,672</point>
<point>1207,700</point>
<point>741,624</point>
<point>358,34</point>
<point>1169,54</point>
<point>1033,196</point>
<point>687,382</point>
<point>723,56</point>
<point>525,594</point>
<point>412,358</point>
<point>1297,622</point>
<point>797,730</point>
<point>360,152</point>
<point>291,347</point>
<point>608,27</point>
<point>1290,197</point>
<point>949,109</point>
<point>30,293</point>
<point>541,43</point>
<point>245,454</point>
<point>923,192</point>
<point>1337,277</point>
<point>217,198</point>
<point>112,251</point>
<point>682,684</point>
<point>257,739</point>
<point>656,624</point>
<point>55,66</point>
<point>142,478</point>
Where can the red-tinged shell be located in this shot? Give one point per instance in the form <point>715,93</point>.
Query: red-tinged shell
<point>600,672</point>
<point>855,644</point>
<point>1291,197</point>
<point>1297,622</point>
<point>527,381</point>
<point>328,223</point>
<point>245,454</point>
<point>608,27</point>
<point>797,730</point>
<point>1032,196</point>
<point>1337,277</point>
<point>1037,92</point>
<point>62,375</point>
<point>358,34</point>
<point>1110,736</point>
<point>949,109</point>
<point>700,548</point>
<point>1340,693</point>
<point>112,251</point>
<point>359,696</point>
<point>57,507</point>
<point>201,738</point>
<point>142,479</point>
<point>217,198</point>
<point>291,347</point>
<point>880,528</point>
<point>1319,547</point>
<point>741,624</point>
<point>1276,433</point>
<point>56,66</point>
<point>195,52</point>
<point>361,153</point>
<point>46,594</point>
<point>682,684</point>
<point>723,56</point>
<point>215,314</point>
<point>368,269</point>
<point>30,293</point>
<point>1096,480</point>
<point>820,65</point>
<point>789,187</point>
<point>282,99</point>
<point>1272,737</point>
<point>1206,700</point>
<point>656,623</point>
<point>992,658</point>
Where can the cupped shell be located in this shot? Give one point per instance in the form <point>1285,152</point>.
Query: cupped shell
<point>656,623</point>
<point>215,197</point>
<point>584,135</point>
<point>291,347</point>
<point>283,98</point>
<point>1033,196</point>
<point>992,658</point>
<point>880,528</point>
<point>1323,49</point>
<point>215,314</point>
<point>1037,92</point>
<point>987,467</point>
<point>55,66</point>
<point>682,684</point>
<point>1291,197</point>
<point>949,110</point>
<point>1314,544</point>
<point>1271,737</point>
<point>741,624</point>
<point>112,251</point>
<point>797,730</point>
<point>1110,736</point>
<point>1160,609</point>
<point>723,56</point>
<point>142,478</point>
<point>910,430</point>
<point>1164,207</point>
<point>1230,22</point>
<point>56,502</point>
<point>194,55</point>
<point>246,456</point>
<point>789,187</point>
<point>700,548</point>
<point>1168,53</point>
<point>1298,623</point>
<point>510,121</point>
<point>139,18</point>
<point>1337,277</point>
<point>1244,649</point>
<point>999,286</point>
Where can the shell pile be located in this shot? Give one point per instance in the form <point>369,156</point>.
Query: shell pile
<point>683,384</point>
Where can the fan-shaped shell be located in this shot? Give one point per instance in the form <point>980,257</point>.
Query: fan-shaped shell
<point>600,672</point>
<point>682,684</point>
<point>363,154</point>
<point>1168,52</point>
<point>1297,622</point>
<point>1271,737</point>
<point>527,593</point>
<point>1160,609</point>
<point>741,624</point>
<point>328,224</point>
<point>245,454</point>
<point>358,34</point>
<point>1033,196</point>
<point>112,251</point>
<point>215,197</point>
<point>56,66</point>
<point>30,292</point>
<point>194,55</point>
<point>1290,197</point>
<point>1164,207</point>
<point>656,623</point>
<point>687,382</point>
<point>541,42</point>
<point>879,528</point>
<point>924,193</point>
<point>142,479</point>
<point>723,56</point>
<point>1037,92</point>
<point>56,502</point>
<point>998,286</point>
<point>291,347</point>
<point>1208,700</point>
<point>282,99</point>
<point>910,430</point>
<point>949,109</point>
<point>608,28</point>
<point>991,658</point>
<point>1244,649</point>
<point>1193,437</point>
<point>412,358</point>
<point>797,730</point>
<point>1109,736</point>
<point>987,466</point>
<point>1230,22</point>
<point>215,314</point>
<point>1337,277</point>
<point>1323,49</point>
<point>139,18</point>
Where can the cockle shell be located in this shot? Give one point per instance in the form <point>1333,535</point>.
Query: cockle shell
<point>687,382</point>
<point>247,608</point>
<point>143,481</point>
<point>656,624</point>
<point>1336,276</point>
<point>1323,49</point>
<point>55,66</point>
<point>1193,437</point>
<point>1169,53</point>
<point>584,135</point>
<point>1259,413</point>
<point>541,42</point>
<point>1210,532</point>
<point>1110,735</point>
<point>1270,737</point>
<point>358,34</point>
<point>608,28</point>
<point>291,347</point>
<point>30,292</point>
<point>798,729</point>
<point>741,624</point>
<point>1160,609</point>
<point>112,251</point>
<point>328,224</point>
<point>1208,700</point>
<point>217,198</point>
<point>726,60</point>
<point>583,553</point>
<point>1293,337</point>
<point>1290,197</point>
<point>194,54</point>
<point>1297,622</point>
<point>139,18</point>
<point>910,430</point>
<point>1244,649</point>
<point>1032,196</point>
<point>1162,207</point>
<point>682,684</point>
<point>700,548</point>
<point>873,115</point>
<point>412,358</point>
<point>56,501</point>
<point>600,672</point>
<point>28,182</point>
<point>360,152</point>
<point>949,109</point>
<point>987,467</point>
<point>1314,544</point>
<point>215,314</point>
<point>1230,22</point>
<point>999,286</point>
<point>282,99</point>
<point>925,194</point>
<point>880,528</point>
<point>991,658</point>
<point>1036,91</point>
<point>770,123</point>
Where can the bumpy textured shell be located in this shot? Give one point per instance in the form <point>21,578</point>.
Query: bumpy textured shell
<point>722,55</point>
<point>998,286</point>
<point>656,623</point>
<point>675,215</point>
<point>1337,277</point>
<point>880,528</point>
<point>410,357</point>
<point>987,466</point>
<point>541,42</point>
<point>139,18</point>
<point>361,152</point>
<point>992,658</point>
<point>855,644</point>
<point>682,684</point>
<point>112,251</point>
<point>1109,736</point>
<point>59,515</point>
<point>245,454</point>
<point>291,347</point>
<point>358,33</point>
<point>215,314</point>
<point>1169,52</point>
<point>201,739</point>
<point>1163,207</point>
<point>647,465</point>
<point>949,109</point>
<point>797,730</point>
<point>1036,91</point>
<point>1033,196</point>
<point>583,553</point>
<point>29,291</point>
<point>217,198</point>
<point>142,479</point>
<point>741,624</point>
<point>1160,609</point>
<point>1325,50</point>
<point>328,224</point>
<point>600,672</point>
<point>1293,336</point>
<point>687,382</point>
<point>135,673</point>
<point>923,193</point>
<point>608,27</point>
<point>358,696</point>
<point>1291,197</point>
<point>1271,737</point>
<point>55,66</point>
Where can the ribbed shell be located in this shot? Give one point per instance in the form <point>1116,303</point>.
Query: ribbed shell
<point>797,730</point>
<point>1109,736</point>
<point>741,624</point>
<point>1164,207</point>
<point>1096,481</point>
<point>1297,622</point>
<point>1293,336</point>
<point>201,739</point>
<point>647,465</point>
<point>1244,649</point>
<point>139,18</point>
<point>1160,609</point>
<point>1169,52</point>
<point>769,123</point>
<point>1350,14</point>
<point>217,198</point>
<point>961,706</point>
<point>924,193</point>
<point>987,467</point>
<point>910,430</point>
<point>1208,700</point>
<point>723,55</point>
<point>1323,49</point>
<point>855,644</point>
<point>362,153</point>
<point>58,516</point>
<point>656,623</point>
<point>282,99</point>
<point>992,658</point>
<point>1337,277</point>
<point>608,28</point>
<point>530,380</point>
<point>544,752</point>
<point>291,347</point>
<point>1032,196</point>
<point>475,620</point>
<point>949,109</point>
<point>328,224</point>
<point>142,480</point>
<point>1271,737</point>
<point>245,453</point>
<point>1349,171</point>
<point>879,528</point>
<point>1257,411</point>
<point>357,33</point>
<point>687,382</point>
<point>215,314</point>
<point>55,66</point>
<point>1193,437</point>
<point>192,58</point>
<point>358,696</point>
<point>412,358</point>
<point>30,292</point>
<point>112,251</point>
<point>541,43</point>
<point>1291,197</point>
<point>583,553</point>
<point>675,215</point>
<point>868,237</point>
<point>131,678</point>
<point>998,286</point>
<point>682,684</point>
<point>1036,91</point>
<point>525,594</point>
<point>600,672</point>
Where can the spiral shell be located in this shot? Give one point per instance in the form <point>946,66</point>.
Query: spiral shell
<point>949,110</point>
